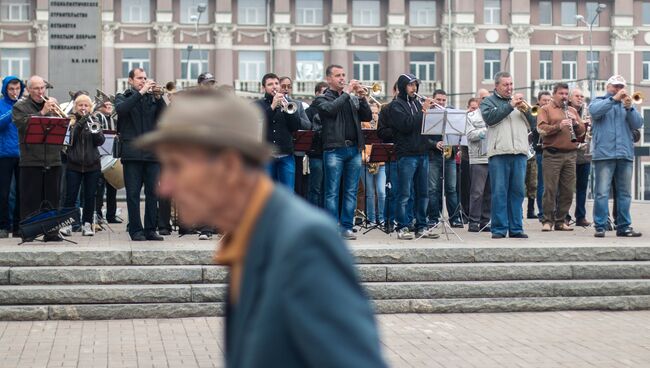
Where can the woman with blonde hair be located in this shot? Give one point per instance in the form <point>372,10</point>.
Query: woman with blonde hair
<point>83,161</point>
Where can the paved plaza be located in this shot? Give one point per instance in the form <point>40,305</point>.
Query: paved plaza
<point>561,339</point>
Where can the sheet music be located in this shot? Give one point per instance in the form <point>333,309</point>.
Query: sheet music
<point>455,125</point>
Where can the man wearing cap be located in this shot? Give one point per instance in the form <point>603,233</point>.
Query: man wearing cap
<point>614,118</point>
<point>280,310</point>
<point>206,80</point>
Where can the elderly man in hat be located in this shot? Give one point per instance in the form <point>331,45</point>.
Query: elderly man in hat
<point>614,118</point>
<point>293,297</point>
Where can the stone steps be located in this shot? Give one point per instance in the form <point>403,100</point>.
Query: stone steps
<point>211,274</point>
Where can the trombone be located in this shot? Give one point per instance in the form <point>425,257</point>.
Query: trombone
<point>422,99</point>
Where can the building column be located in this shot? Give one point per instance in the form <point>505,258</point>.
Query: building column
<point>164,52</point>
<point>519,62</point>
<point>224,68</point>
<point>395,56</point>
<point>339,46</point>
<point>41,57</point>
<point>622,39</point>
<point>282,64</point>
<point>108,58</point>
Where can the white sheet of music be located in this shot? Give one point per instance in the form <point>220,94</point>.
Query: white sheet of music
<point>454,127</point>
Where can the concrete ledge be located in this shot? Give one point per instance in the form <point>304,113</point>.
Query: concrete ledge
<point>130,311</point>
<point>172,257</point>
<point>412,255</point>
<point>106,275</point>
<point>215,274</point>
<point>479,272</point>
<point>4,275</point>
<point>23,312</point>
<point>209,293</point>
<point>91,294</point>
<point>64,257</point>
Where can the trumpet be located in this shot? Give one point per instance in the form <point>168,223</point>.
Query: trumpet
<point>526,107</point>
<point>93,125</point>
<point>288,107</point>
<point>57,109</point>
<point>637,98</point>
<point>371,90</point>
<point>422,99</point>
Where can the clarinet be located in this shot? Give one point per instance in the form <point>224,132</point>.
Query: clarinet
<point>565,107</point>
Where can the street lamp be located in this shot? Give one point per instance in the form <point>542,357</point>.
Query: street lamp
<point>582,19</point>
<point>196,18</point>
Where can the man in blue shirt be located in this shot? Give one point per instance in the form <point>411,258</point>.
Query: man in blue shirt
<point>613,117</point>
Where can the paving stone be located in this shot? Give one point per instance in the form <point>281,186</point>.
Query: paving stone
<point>555,254</point>
<point>107,275</point>
<point>129,311</point>
<point>67,294</point>
<point>4,275</point>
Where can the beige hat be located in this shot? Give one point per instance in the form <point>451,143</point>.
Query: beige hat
<point>211,120</point>
<point>616,80</point>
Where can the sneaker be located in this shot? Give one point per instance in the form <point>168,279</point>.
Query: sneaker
<point>600,233</point>
<point>498,236</point>
<point>66,231</point>
<point>404,234</point>
<point>473,227</point>
<point>628,233</point>
<point>4,234</point>
<point>547,227</point>
<point>206,235</point>
<point>87,230</point>
<point>348,235</point>
<point>426,234</point>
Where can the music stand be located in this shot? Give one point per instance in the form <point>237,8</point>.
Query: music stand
<point>46,130</point>
<point>450,124</point>
<point>383,152</point>
<point>370,136</point>
<point>303,140</point>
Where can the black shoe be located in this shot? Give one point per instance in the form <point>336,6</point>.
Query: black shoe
<point>519,236</point>
<point>498,236</point>
<point>154,236</point>
<point>485,228</point>
<point>473,227</point>
<point>531,209</point>
<point>164,232</point>
<point>600,233</point>
<point>114,221</point>
<point>628,233</point>
<point>138,237</point>
<point>457,224</point>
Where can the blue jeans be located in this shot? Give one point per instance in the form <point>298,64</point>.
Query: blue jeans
<point>413,172</point>
<point>507,181</point>
<point>582,183</point>
<point>540,184</point>
<point>604,171</point>
<point>375,187</point>
<point>315,195</point>
<point>283,170</point>
<point>342,165</point>
<point>435,189</point>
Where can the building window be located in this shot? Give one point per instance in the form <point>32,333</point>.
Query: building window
<point>492,12</point>
<point>646,65</point>
<point>309,12</point>
<point>309,65</point>
<point>646,13</point>
<point>251,12</point>
<point>646,135</point>
<point>135,11</point>
<point>135,58</point>
<point>365,13</point>
<point>591,8</point>
<point>646,182</point>
<point>491,63</point>
<point>423,65</point>
<point>596,64</point>
<point>546,65</point>
<point>193,63</point>
<point>366,65</point>
<point>569,11</point>
<point>14,10</point>
<point>15,62</point>
<point>569,65</point>
<point>422,13</point>
<point>545,13</point>
<point>189,8</point>
<point>252,65</point>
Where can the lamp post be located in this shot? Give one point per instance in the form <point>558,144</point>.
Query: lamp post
<point>581,18</point>
<point>195,18</point>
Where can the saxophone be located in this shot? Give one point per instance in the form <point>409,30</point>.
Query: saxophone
<point>373,167</point>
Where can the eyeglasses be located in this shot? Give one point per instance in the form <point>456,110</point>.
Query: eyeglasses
<point>286,86</point>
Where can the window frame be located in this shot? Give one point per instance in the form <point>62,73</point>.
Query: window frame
<point>187,63</point>
<point>24,62</point>
<point>430,66</point>
<point>493,12</point>
<point>192,11</point>
<point>495,64</point>
<point>645,11</point>
<point>590,14</point>
<point>645,65</point>
<point>572,64</point>
<point>320,65</point>
<point>545,65</point>
<point>7,9</point>
<point>575,13</point>
<point>145,11</point>
<point>259,64</point>
<point>133,62</point>
<point>423,4</point>
<point>301,12</point>
<point>243,10</point>
<point>358,18</point>
<point>539,12</point>
<point>359,67</point>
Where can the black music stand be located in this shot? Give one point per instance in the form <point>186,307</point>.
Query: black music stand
<point>46,130</point>
<point>383,152</point>
<point>302,140</point>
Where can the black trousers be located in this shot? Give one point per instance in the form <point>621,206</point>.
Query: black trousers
<point>164,214</point>
<point>137,174</point>
<point>74,181</point>
<point>38,184</point>
<point>9,169</point>
<point>111,198</point>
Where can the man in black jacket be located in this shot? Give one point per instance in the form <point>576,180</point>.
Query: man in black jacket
<point>315,195</point>
<point>341,115</point>
<point>280,126</point>
<point>137,111</point>
<point>412,160</point>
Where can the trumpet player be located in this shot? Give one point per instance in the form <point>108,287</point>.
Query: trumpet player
<point>280,123</point>
<point>559,126</point>
<point>40,164</point>
<point>507,136</point>
<point>341,114</point>
<point>83,167</point>
<point>138,109</point>
<point>614,118</point>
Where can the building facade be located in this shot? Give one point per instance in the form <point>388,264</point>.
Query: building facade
<point>458,49</point>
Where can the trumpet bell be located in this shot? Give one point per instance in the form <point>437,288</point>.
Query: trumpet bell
<point>534,110</point>
<point>637,97</point>
<point>291,108</point>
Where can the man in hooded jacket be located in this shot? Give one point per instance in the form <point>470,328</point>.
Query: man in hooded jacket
<point>411,150</point>
<point>12,91</point>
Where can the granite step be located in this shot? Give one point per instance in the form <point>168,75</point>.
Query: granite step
<point>463,305</point>
<point>211,274</point>
<point>105,256</point>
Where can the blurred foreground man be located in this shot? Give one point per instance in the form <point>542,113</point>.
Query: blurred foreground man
<point>294,299</point>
